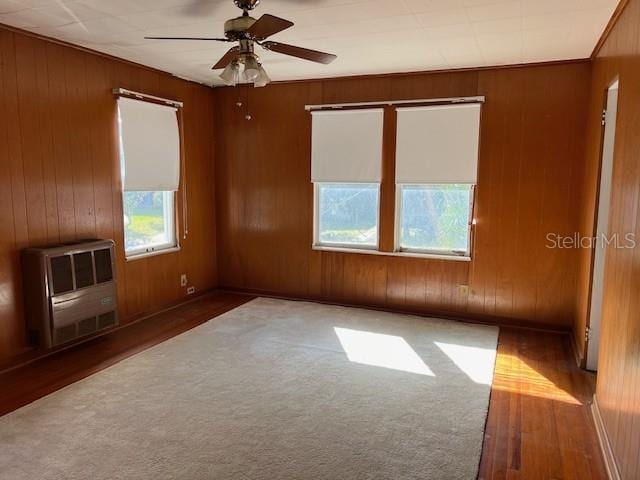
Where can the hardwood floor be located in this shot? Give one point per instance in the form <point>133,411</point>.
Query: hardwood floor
<point>538,427</point>
<point>539,424</point>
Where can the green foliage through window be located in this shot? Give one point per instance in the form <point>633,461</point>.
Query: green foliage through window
<point>435,217</point>
<point>147,219</point>
<point>348,214</point>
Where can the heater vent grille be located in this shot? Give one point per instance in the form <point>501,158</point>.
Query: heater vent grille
<point>83,267</point>
<point>64,334</point>
<point>106,320</point>
<point>87,326</point>
<point>70,291</point>
<point>102,260</point>
<point>61,274</point>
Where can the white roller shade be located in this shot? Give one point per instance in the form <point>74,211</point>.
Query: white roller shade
<point>150,146</point>
<point>438,144</point>
<point>347,146</point>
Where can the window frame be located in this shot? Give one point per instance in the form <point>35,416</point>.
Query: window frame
<point>429,252</point>
<point>317,244</point>
<point>170,218</point>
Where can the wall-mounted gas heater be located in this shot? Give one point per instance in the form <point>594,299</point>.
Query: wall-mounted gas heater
<point>70,291</point>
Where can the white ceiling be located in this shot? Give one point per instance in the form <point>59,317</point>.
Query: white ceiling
<point>369,36</point>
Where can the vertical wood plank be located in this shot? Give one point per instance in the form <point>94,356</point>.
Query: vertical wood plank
<point>388,187</point>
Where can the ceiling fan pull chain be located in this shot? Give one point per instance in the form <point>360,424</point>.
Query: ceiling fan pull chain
<point>247,112</point>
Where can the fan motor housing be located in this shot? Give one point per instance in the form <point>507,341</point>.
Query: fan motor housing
<point>235,28</point>
<point>246,4</point>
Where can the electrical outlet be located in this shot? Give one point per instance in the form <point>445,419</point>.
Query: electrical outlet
<point>183,280</point>
<point>464,290</point>
<point>191,290</point>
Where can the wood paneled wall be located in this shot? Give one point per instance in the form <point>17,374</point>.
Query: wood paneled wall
<point>59,177</point>
<point>618,386</point>
<point>532,146</point>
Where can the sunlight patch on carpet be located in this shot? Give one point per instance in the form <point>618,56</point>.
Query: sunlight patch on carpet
<point>379,350</point>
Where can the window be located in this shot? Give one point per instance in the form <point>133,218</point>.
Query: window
<point>436,171</point>
<point>347,214</point>
<point>346,169</point>
<point>150,165</point>
<point>148,222</point>
<point>435,219</point>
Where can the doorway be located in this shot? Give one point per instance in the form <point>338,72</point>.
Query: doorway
<point>609,118</point>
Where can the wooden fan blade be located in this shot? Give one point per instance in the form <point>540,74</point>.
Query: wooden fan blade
<point>229,57</point>
<point>189,38</point>
<point>268,25</point>
<point>305,53</point>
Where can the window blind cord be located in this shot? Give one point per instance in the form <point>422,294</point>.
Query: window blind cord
<point>183,163</point>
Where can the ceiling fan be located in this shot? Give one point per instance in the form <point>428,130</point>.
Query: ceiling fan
<point>248,32</point>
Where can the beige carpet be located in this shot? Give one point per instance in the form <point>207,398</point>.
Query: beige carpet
<point>273,390</point>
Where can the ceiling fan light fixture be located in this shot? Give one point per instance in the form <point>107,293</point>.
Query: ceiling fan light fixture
<point>231,74</point>
<point>251,68</point>
<point>263,79</point>
<point>246,32</point>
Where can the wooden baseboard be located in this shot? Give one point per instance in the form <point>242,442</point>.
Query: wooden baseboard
<point>605,445</point>
<point>459,317</point>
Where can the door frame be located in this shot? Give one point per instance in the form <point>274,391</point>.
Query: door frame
<point>590,337</point>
